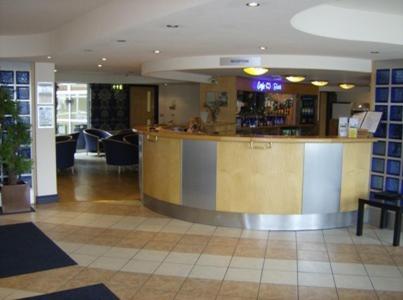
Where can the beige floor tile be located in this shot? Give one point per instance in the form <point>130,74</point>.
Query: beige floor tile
<point>200,287</point>
<point>134,280</point>
<point>223,241</point>
<point>123,292</point>
<point>141,266</point>
<point>314,267</point>
<point>245,275</point>
<point>93,250</point>
<point>277,253</point>
<point>164,283</point>
<point>219,250</point>
<point>376,259</point>
<point>311,246</point>
<point>109,263</point>
<point>268,291</point>
<point>181,296</point>
<point>208,272</point>
<point>387,284</point>
<point>355,294</point>
<point>152,255</point>
<point>315,280</point>
<point>246,262</point>
<point>280,265</point>
<point>189,248</point>
<point>348,269</point>
<point>344,257</point>
<point>313,255</point>
<point>201,229</point>
<point>282,245</point>
<point>255,234</point>
<point>383,295</point>
<point>317,293</point>
<point>382,270</point>
<point>160,246</point>
<point>239,289</point>
<point>195,239</point>
<point>214,260</point>
<point>83,259</point>
<point>353,282</point>
<point>153,294</point>
<point>250,251</point>
<point>120,252</point>
<point>279,277</point>
<point>182,258</point>
<point>18,294</point>
<point>282,235</point>
<point>172,269</point>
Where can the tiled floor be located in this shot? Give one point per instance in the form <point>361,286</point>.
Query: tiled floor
<point>141,255</point>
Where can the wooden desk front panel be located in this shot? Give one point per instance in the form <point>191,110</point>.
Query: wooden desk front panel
<point>162,169</point>
<point>260,181</point>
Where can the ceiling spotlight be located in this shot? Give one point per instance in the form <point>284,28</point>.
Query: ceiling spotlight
<point>49,57</point>
<point>99,66</point>
<point>263,48</point>
<point>157,51</point>
<point>252,4</point>
<point>103,59</point>
<point>295,78</point>
<point>121,41</point>
<point>346,86</point>
<point>54,70</point>
<point>172,26</point>
<point>319,83</point>
<point>254,71</point>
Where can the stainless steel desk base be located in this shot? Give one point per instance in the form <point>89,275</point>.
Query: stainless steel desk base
<point>251,221</point>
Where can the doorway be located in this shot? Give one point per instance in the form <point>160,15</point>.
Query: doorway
<point>143,105</point>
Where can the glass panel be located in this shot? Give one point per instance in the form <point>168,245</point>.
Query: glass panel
<point>384,110</point>
<point>397,94</point>
<point>393,167</point>
<point>392,185</point>
<point>379,148</point>
<point>381,131</point>
<point>394,149</point>
<point>378,165</point>
<point>72,108</point>
<point>382,76</point>
<point>397,76</point>
<point>376,182</point>
<point>396,113</point>
<point>395,131</point>
<point>381,95</point>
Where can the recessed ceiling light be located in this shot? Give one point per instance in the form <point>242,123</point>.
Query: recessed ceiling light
<point>55,70</point>
<point>263,48</point>
<point>103,58</point>
<point>99,66</point>
<point>374,52</point>
<point>172,26</point>
<point>49,57</point>
<point>255,71</point>
<point>346,86</point>
<point>295,78</point>
<point>319,83</point>
<point>157,51</point>
<point>252,4</point>
<point>121,41</point>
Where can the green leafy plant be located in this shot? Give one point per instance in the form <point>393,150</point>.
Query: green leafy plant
<point>14,134</point>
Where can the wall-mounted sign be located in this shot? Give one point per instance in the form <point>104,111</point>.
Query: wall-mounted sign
<point>44,92</point>
<point>241,61</point>
<point>268,86</point>
<point>45,116</point>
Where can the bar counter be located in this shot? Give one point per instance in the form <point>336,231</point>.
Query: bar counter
<point>267,182</point>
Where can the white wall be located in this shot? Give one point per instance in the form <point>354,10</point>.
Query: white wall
<point>356,95</point>
<point>183,100</point>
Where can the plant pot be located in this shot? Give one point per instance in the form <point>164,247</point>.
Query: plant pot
<point>16,198</point>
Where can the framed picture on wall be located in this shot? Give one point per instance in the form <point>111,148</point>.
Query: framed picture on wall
<point>220,98</point>
<point>45,92</point>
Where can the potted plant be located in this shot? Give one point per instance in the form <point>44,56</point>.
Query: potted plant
<point>14,133</point>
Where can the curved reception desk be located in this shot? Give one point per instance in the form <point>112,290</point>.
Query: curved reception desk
<point>271,183</point>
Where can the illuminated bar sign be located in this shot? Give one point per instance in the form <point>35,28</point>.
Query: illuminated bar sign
<point>268,86</point>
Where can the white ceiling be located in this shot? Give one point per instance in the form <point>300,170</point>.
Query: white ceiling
<point>207,27</point>
<point>19,17</point>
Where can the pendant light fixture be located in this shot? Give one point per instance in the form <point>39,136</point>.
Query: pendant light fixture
<point>346,86</point>
<point>295,78</point>
<point>319,83</point>
<point>255,71</point>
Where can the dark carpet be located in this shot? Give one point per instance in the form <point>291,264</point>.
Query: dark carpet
<point>91,292</point>
<point>24,248</point>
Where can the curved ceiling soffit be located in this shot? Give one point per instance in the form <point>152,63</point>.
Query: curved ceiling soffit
<point>332,21</point>
<point>99,25</point>
<point>180,68</point>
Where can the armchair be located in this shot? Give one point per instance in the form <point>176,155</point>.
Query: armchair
<point>93,139</point>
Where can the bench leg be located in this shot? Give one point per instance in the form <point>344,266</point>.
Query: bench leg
<point>360,217</point>
<point>384,218</point>
<point>398,228</point>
